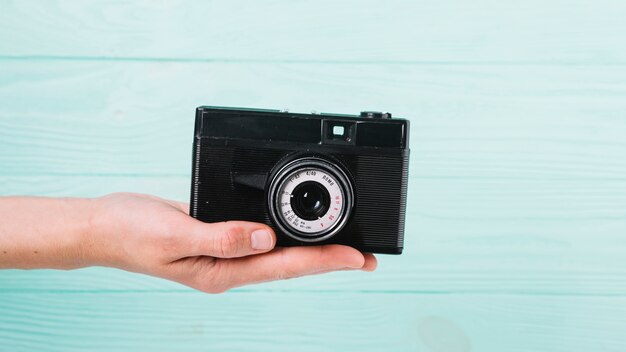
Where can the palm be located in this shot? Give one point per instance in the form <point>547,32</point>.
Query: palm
<point>157,237</point>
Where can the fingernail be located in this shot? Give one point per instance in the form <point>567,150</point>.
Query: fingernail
<point>261,239</point>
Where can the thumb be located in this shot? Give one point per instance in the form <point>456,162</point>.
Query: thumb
<point>231,239</point>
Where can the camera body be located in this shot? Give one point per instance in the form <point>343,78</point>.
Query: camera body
<point>314,178</point>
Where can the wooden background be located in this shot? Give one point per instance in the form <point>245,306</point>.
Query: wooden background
<point>516,232</point>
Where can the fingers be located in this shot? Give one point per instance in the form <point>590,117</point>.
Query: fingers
<point>370,262</point>
<point>285,263</point>
<point>370,265</point>
<point>229,239</point>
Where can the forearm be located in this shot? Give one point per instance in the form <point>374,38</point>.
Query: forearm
<point>38,232</point>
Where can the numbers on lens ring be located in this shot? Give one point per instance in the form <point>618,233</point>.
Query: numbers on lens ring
<point>311,173</point>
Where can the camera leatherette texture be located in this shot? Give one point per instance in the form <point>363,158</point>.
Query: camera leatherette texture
<point>379,177</point>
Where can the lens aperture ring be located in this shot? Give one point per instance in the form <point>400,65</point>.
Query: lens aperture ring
<point>310,199</point>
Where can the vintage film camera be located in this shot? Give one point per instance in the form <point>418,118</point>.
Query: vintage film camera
<point>314,178</point>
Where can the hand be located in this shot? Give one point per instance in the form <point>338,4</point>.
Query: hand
<point>154,236</point>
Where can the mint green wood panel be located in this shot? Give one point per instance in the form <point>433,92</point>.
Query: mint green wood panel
<point>558,31</point>
<point>517,205</point>
<point>310,322</point>
<point>486,121</point>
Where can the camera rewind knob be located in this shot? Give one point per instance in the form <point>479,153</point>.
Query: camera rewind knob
<point>376,114</point>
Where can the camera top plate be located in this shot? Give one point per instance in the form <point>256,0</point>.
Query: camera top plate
<point>369,129</point>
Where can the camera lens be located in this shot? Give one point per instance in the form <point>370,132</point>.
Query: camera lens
<point>310,200</point>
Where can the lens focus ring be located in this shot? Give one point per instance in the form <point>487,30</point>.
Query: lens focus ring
<point>310,199</point>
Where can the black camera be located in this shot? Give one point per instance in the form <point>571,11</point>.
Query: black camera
<point>314,178</point>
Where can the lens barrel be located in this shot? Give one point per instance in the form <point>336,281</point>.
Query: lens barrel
<point>310,199</point>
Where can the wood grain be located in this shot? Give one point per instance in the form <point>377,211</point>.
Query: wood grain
<point>309,322</point>
<point>481,31</point>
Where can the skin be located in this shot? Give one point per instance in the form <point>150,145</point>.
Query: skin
<point>154,236</point>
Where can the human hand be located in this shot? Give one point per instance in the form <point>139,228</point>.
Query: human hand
<point>154,236</point>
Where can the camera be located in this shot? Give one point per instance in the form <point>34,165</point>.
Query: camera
<point>314,178</point>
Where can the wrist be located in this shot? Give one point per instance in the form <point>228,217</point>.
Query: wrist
<point>100,244</point>
<point>77,217</point>
<point>92,232</point>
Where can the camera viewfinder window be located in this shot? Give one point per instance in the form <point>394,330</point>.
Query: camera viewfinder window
<point>338,130</point>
